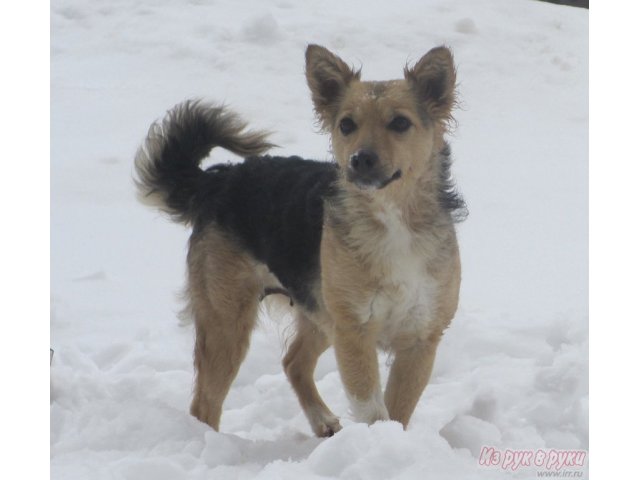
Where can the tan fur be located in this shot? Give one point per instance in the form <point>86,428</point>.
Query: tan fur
<point>299,364</point>
<point>390,280</point>
<point>358,265</point>
<point>223,289</point>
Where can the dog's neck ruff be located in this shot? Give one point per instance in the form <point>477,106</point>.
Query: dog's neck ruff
<point>403,303</point>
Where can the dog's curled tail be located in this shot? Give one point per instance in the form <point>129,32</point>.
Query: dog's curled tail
<point>167,164</point>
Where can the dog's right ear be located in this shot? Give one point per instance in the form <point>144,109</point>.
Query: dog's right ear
<point>328,77</point>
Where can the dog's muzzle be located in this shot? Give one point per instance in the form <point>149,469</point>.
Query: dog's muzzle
<point>366,173</point>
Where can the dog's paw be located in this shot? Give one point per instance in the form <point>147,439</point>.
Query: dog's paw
<point>328,429</point>
<point>324,423</point>
<point>369,411</point>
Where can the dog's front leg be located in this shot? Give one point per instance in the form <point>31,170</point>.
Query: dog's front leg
<point>408,378</point>
<point>345,287</point>
<point>355,347</point>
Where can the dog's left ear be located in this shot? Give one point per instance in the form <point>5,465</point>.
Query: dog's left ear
<point>433,79</point>
<point>328,78</point>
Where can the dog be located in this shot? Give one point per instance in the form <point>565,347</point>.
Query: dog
<point>364,246</point>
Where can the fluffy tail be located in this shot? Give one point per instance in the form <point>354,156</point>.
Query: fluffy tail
<point>168,162</point>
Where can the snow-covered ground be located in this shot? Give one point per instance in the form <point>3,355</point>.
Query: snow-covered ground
<point>512,369</point>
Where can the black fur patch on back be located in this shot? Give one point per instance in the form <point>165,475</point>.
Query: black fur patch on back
<point>274,207</point>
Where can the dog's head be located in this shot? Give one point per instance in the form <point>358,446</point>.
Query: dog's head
<point>382,132</point>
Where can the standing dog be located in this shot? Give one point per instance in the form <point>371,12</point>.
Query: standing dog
<point>365,247</point>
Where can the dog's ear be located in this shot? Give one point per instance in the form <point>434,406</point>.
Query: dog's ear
<point>433,79</point>
<point>328,77</point>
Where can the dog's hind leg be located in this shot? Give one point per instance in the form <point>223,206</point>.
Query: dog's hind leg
<point>299,364</point>
<point>223,295</point>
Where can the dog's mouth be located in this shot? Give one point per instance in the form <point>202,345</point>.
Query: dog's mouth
<point>396,175</point>
<point>372,182</point>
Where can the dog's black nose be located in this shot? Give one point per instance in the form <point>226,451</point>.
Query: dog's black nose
<point>363,161</point>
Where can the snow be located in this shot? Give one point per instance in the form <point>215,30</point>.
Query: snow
<point>511,370</point>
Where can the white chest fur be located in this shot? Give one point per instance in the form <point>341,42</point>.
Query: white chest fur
<point>403,302</point>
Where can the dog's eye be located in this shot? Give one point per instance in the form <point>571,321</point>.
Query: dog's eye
<point>347,126</point>
<point>399,124</point>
